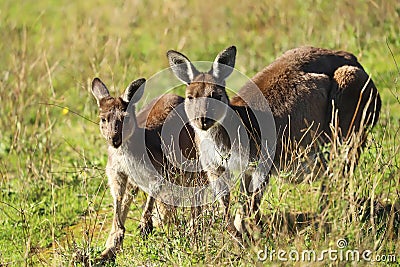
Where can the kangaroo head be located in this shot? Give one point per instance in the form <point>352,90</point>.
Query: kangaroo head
<point>113,110</point>
<point>206,99</point>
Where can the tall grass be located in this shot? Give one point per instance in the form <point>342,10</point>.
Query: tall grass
<point>54,204</point>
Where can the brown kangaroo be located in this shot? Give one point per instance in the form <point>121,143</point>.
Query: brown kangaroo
<point>301,87</point>
<point>126,153</point>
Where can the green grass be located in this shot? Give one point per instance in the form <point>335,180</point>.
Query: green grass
<point>54,201</point>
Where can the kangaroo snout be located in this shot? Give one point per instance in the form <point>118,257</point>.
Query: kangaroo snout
<point>205,112</point>
<point>116,141</point>
<point>113,133</point>
<point>205,123</point>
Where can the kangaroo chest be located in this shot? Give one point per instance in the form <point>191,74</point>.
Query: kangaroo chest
<point>217,150</point>
<point>136,166</point>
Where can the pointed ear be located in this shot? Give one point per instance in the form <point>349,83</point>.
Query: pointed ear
<point>224,63</point>
<point>99,90</point>
<point>181,66</point>
<point>134,91</point>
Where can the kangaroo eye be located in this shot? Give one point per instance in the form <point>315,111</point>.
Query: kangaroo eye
<point>189,97</point>
<point>103,120</point>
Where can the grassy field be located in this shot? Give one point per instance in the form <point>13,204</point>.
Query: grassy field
<point>55,207</point>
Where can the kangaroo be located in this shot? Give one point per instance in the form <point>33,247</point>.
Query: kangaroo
<point>300,88</point>
<point>126,152</point>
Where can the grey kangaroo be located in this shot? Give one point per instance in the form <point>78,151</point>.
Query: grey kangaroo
<point>303,87</point>
<point>126,153</point>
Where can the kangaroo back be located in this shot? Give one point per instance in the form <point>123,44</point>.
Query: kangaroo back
<point>156,111</point>
<point>301,85</point>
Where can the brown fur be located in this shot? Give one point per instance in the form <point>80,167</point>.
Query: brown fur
<point>301,85</point>
<point>204,85</point>
<point>156,111</point>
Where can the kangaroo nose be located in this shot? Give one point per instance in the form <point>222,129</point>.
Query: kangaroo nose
<point>116,141</point>
<point>203,122</point>
<point>206,123</point>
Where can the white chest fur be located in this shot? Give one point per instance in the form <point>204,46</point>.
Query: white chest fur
<point>139,170</point>
<point>215,153</point>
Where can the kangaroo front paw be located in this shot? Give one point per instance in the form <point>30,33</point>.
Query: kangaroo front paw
<point>146,228</point>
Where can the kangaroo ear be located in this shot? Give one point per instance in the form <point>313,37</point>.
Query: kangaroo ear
<point>99,90</point>
<point>181,66</point>
<point>224,63</point>
<point>134,91</point>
